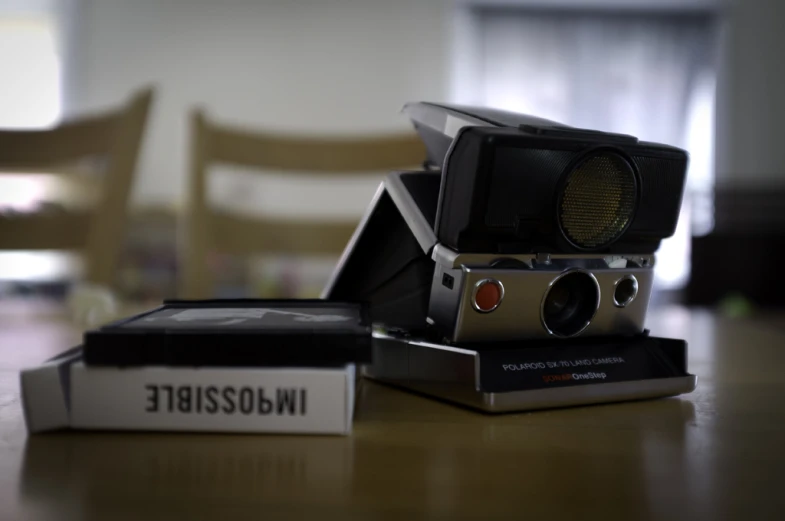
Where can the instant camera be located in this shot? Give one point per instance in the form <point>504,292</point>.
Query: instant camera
<point>514,271</point>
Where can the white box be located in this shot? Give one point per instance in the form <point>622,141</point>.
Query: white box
<point>275,400</point>
<point>44,391</point>
<point>64,392</point>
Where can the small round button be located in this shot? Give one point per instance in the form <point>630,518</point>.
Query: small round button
<point>487,296</point>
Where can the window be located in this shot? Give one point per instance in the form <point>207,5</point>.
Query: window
<point>30,90</point>
<point>649,75</point>
<point>30,98</point>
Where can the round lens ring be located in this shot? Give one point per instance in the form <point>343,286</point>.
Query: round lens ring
<point>570,303</point>
<point>626,291</point>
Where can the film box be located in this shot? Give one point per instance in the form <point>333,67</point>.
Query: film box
<point>63,392</point>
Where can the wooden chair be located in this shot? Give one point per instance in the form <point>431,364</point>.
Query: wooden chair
<point>208,230</point>
<point>115,138</point>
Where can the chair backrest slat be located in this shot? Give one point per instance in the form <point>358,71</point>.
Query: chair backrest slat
<point>114,136</point>
<point>332,156</point>
<point>213,143</point>
<point>70,141</point>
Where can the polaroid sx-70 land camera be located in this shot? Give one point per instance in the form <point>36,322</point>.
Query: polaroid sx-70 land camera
<point>515,270</point>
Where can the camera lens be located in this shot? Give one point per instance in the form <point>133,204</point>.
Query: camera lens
<point>556,301</point>
<point>570,303</point>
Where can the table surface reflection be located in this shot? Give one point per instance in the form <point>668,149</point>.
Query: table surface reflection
<point>714,454</point>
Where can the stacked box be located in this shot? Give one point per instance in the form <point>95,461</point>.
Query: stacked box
<point>277,366</point>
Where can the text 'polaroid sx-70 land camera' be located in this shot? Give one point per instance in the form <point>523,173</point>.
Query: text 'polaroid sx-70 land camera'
<point>523,247</point>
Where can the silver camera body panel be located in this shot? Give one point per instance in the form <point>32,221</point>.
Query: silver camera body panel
<point>519,313</point>
<point>457,374</point>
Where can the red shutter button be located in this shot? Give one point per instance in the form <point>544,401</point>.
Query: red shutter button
<point>487,295</point>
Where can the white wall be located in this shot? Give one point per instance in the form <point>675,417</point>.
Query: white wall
<point>348,65</point>
<point>343,66</point>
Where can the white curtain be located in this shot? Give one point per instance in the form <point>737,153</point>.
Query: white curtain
<point>649,76</point>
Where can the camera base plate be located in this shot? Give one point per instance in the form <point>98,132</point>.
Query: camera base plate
<point>529,375</point>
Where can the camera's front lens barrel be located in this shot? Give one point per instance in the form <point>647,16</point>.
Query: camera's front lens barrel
<point>557,299</point>
<point>570,303</point>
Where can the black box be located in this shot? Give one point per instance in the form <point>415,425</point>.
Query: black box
<point>236,332</point>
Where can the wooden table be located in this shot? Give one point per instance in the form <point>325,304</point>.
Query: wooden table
<point>717,453</point>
